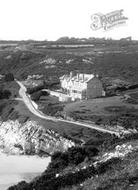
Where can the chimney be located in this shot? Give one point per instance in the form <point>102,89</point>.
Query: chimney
<point>77,76</point>
<point>83,76</point>
<point>71,74</point>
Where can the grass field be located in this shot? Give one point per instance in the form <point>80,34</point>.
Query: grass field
<point>69,130</point>
<point>111,111</point>
<point>98,106</point>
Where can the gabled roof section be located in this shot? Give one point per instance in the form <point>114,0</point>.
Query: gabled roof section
<point>64,77</point>
<point>80,77</point>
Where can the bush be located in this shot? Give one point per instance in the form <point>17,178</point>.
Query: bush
<point>9,77</point>
<point>5,94</point>
<point>21,186</point>
<point>109,164</point>
<point>52,109</point>
<point>2,106</point>
<point>35,89</point>
<point>36,96</point>
<point>73,156</point>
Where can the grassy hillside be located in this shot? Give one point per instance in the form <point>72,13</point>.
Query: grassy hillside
<point>74,170</point>
<point>109,60</point>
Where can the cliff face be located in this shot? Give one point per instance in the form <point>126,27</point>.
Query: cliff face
<point>30,138</point>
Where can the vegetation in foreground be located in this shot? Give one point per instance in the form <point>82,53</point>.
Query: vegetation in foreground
<point>71,171</point>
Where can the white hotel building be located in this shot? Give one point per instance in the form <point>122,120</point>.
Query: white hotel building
<point>81,86</point>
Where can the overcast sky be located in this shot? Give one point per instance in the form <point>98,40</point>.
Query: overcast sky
<point>51,19</point>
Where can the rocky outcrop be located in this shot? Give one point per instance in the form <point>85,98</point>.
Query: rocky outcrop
<point>30,138</point>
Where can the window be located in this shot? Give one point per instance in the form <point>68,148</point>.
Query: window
<point>74,91</point>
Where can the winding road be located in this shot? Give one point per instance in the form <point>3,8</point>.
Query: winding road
<point>32,106</point>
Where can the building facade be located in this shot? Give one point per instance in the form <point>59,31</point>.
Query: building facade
<point>81,86</point>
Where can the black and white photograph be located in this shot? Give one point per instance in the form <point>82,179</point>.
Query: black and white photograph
<point>68,95</point>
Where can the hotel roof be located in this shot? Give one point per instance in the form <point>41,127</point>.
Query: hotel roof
<point>78,78</point>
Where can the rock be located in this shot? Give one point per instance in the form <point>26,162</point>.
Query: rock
<point>31,138</point>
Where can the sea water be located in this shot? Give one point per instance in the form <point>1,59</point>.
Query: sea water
<point>14,168</point>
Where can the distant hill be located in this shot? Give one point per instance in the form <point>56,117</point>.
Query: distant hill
<point>108,58</point>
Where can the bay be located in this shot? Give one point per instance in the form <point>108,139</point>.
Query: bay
<point>16,168</point>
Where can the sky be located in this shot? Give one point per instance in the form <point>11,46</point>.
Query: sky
<point>52,19</point>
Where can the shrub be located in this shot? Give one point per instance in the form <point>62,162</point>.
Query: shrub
<point>9,77</point>
<point>36,96</point>
<point>73,156</point>
<point>35,89</point>
<point>5,94</point>
<point>21,186</point>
